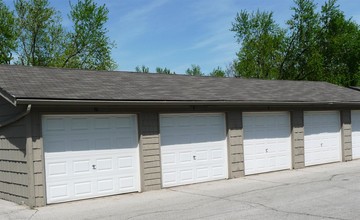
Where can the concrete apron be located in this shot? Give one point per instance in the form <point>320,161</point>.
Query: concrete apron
<point>329,191</point>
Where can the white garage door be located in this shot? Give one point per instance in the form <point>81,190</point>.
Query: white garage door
<point>355,126</point>
<point>193,148</point>
<point>267,142</point>
<point>322,137</point>
<point>89,156</point>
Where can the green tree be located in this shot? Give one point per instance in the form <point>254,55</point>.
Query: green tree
<point>163,70</point>
<point>142,69</point>
<point>41,34</point>
<point>43,41</point>
<point>89,47</point>
<point>339,41</point>
<point>8,34</point>
<point>194,70</point>
<point>317,45</point>
<point>218,72</point>
<point>262,42</point>
<point>302,59</point>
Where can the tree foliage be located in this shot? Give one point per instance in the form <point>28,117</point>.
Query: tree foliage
<point>339,41</point>
<point>302,59</point>
<point>316,45</point>
<point>8,34</point>
<point>218,72</point>
<point>88,46</point>
<point>194,70</point>
<point>37,37</point>
<point>41,35</point>
<point>142,69</point>
<point>163,70</point>
<point>262,41</point>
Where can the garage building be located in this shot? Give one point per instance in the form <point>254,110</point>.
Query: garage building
<point>70,134</point>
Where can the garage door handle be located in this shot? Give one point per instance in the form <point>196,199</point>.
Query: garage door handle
<point>266,150</point>
<point>194,157</point>
<point>94,167</point>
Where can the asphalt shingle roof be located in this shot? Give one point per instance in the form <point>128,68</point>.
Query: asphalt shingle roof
<point>21,82</point>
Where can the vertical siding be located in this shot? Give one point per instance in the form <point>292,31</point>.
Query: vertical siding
<point>297,139</point>
<point>346,135</point>
<point>13,157</point>
<point>150,151</point>
<point>235,144</point>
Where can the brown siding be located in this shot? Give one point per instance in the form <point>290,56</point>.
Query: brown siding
<point>235,144</point>
<point>297,139</point>
<point>13,158</point>
<point>150,151</point>
<point>346,135</point>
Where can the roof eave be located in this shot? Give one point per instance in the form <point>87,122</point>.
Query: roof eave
<point>177,102</point>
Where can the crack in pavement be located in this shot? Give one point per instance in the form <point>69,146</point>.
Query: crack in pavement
<point>171,210</point>
<point>292,212</point>
<point>36,211</point>
<point>251,204</point>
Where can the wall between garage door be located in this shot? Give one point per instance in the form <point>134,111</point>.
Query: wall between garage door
<point>297,139</point>
<point>14,178</point>
<point>150,151</point>
<point>235,144</point>
<point>149,140</point>
<point>346,135</point>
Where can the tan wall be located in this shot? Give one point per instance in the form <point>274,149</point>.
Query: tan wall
<point>14,178</point>
<point>150,151</point>
<point>346,135</point>
<point>235,144</point>
<point>297,139</point>
<point>37,160</point>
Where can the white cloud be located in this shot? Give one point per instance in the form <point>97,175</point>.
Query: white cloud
<point>142,12</point>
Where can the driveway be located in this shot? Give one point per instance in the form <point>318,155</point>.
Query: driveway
<point>329,191</point>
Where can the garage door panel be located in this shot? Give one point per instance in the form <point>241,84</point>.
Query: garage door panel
<point>322,137</point>
<point>81,167</point>
<point>80,124</point>
<point>59,191</point>
<point>191,145</point>
<point>126,163</point>
<point>202,173</point>
<point>186,175</point>
<point>267,143</point>
<point>168,158</point>
<point>83,188</point>
<point>98,161</point>
<point>56,169</point>
<point>104,164</point>
<point>169,177</point>
<point>106,185</point>
<point>127,183</point>
<point>55,124</point>
<point>217,171</point>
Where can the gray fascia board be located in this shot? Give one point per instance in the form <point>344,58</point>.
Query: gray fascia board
<point>8,97</point>
<point>149,102</point>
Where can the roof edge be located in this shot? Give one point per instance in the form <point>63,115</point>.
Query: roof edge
<point>193,102</point>
<point>8,97</point>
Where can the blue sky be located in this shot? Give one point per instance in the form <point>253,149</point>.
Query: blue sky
<point>178,33</point>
